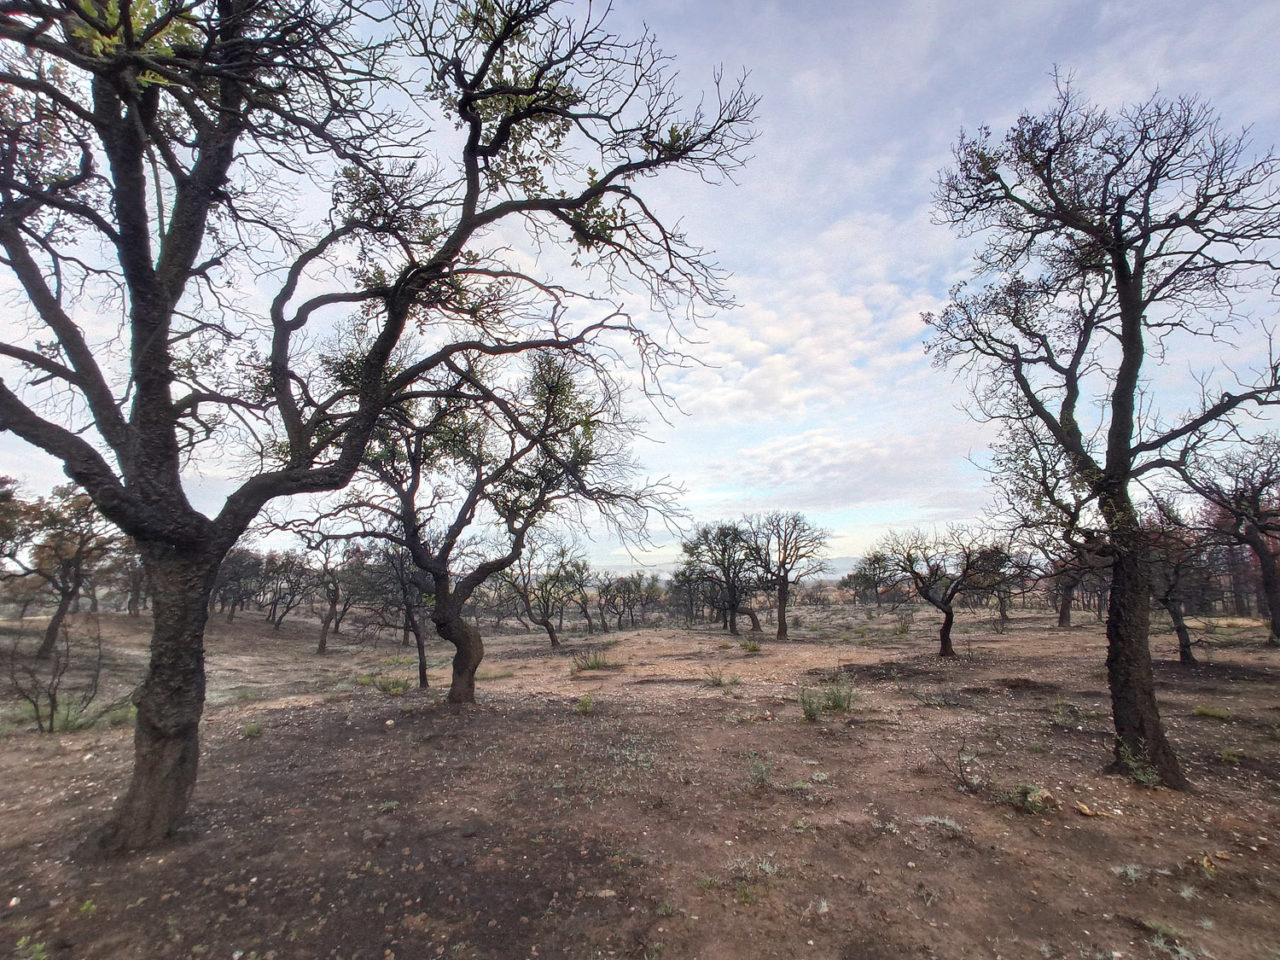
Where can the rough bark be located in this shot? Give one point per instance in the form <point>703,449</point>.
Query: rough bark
<point>170,701</point>
<point>1269,575</point>
<point>1140,737</point>
<point>784,593</point>
<point>468,652</point>
<point>1174,609</point>
<point>1068,591</point>
<point>945,649</point>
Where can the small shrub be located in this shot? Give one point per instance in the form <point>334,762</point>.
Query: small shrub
<point>28,949</point>
<point>838,697</point>
<point>716,678</point>
<point>88,908</point>
<point>1138,767</point>
<point>392,686</point>
<point>1217,713</point>
<point>589,660</point>
<point>1232,756</point>
<point>810,705</point>
<point>751,646</point>
<point>666,908</point>
<point>1130,872</point>
<point>903,620</point>
<point>388,805</point>
<point>586,703</point>
<point>757,770</point>
<point>1030,798</point>
<point>251,731</point>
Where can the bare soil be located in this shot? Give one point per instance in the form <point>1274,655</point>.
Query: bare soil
<point>675,803</point>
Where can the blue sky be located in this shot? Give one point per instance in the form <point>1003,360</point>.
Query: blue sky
<point>816,395</point>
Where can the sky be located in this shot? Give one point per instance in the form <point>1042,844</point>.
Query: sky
<point>815,394</point>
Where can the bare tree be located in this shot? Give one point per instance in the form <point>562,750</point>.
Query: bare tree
<point>718,556</point>
<point>176,139</point>
<point>538,578</point>
<point>1112,240</point>
<point>58,541</point>
<point>1244,483</point>
<point>940,568</point>
<point>460,485</point>
<point>786,549</point>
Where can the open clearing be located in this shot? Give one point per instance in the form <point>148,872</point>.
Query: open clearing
<point>672,803</point>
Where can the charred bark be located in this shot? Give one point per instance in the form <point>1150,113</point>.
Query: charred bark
<point>169,701</point>
<point>1140,737</point>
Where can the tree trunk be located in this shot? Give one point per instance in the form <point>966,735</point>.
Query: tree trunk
<point>731,620</point>
<point>945,649</point>
<point>1140,737</point>
<point>170,701</point>
<point>1270,578</point>
<point>751,615</point>
<point>784,589</point>
<point>325,624</point>
<point>468,649</point>
<point>65,599</point>
<point>422,658</point>
<point>1067,594</point>
<point>1174,609</point>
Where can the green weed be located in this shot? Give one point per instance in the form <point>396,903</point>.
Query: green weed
<point>1216,713</point>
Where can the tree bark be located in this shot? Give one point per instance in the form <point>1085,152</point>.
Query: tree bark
<point>1270,578</point>
<point>170,701</point>
<point>784,591</point>
<point>1174,609</point>
<point>50,640</point>
<point>1140,736</point>
<point>751,615</point>
<point>1068,591</point>
<point>468,652</point>
<point>945,649</point>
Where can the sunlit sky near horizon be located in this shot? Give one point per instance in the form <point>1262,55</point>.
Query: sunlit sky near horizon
<point>816,394</point>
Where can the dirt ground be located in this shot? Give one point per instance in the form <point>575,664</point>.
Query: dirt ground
<point>671,802</point>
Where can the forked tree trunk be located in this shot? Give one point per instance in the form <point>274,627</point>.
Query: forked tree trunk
<point>170,701</point>
<point>1140,737</point>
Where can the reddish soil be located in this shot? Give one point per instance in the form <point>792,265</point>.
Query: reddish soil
<point>686,810</point>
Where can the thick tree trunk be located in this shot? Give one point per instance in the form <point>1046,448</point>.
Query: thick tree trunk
<point>1140,737</point>
<point>945,649</point>
<point>1270,577</point>
<point>751,615</point>
<point>1067,592</point>
<point>170,701</point>
<point>784,590</point>
<point>468,652</point>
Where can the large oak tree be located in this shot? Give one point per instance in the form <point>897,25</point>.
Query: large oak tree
<point>198,198</point>
<point>1112,242</point>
